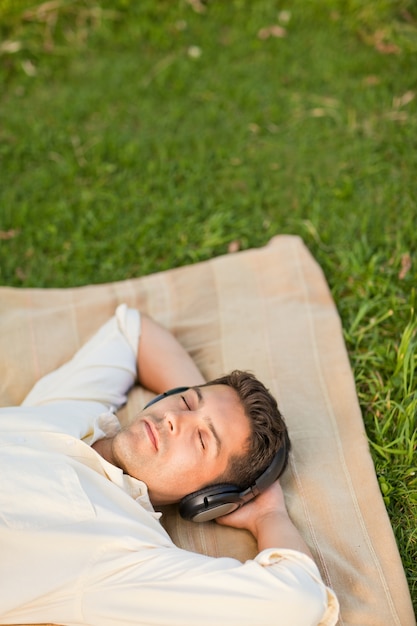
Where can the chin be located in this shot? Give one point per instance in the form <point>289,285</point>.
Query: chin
<point>162,500</point>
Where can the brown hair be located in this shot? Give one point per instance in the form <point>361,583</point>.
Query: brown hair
<point>268,429</point>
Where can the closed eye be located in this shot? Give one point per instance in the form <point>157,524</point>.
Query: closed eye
<point>185,402</point>
<point>201,440</point>
<point>199,433</point>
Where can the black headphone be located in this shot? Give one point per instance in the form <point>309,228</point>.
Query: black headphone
<point>216,500</point>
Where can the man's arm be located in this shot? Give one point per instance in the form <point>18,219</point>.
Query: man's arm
<point>162,361</point>
<point>104,369</point>
<point>281,585</point>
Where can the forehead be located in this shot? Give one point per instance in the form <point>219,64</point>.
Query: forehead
<point>223,395</point>
<point>223,406</point>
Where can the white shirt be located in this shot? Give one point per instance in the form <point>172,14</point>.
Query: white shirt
<point>80,542</point>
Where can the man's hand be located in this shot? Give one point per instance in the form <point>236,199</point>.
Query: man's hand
<point>266,517</point>
<point>270,502</point>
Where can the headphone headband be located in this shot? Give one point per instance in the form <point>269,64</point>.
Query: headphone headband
<point>170,392</point>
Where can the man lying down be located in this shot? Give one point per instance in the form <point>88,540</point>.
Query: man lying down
<point>81,541</point>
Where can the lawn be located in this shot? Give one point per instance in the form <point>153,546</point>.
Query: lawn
<point>137,136</point>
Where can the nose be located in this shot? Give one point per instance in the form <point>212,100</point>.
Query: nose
<point>177,421</point>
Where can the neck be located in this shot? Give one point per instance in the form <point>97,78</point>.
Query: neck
<point>104,448</point>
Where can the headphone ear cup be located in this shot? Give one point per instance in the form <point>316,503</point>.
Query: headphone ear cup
<point>210,502</point>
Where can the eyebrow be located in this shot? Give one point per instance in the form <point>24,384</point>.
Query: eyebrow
<point>208,420</point>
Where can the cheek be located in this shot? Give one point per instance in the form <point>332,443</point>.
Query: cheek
<point>178,476</point>
<point>180,470</point>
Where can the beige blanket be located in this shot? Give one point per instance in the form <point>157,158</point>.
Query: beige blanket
<point>268,310</point>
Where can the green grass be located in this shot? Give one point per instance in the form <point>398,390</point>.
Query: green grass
<point>138,136</point>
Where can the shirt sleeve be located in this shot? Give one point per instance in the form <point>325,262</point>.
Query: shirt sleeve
<point>102,371</point>
<point>278,587</point>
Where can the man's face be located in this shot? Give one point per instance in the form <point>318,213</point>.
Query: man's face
<point>183,442</point>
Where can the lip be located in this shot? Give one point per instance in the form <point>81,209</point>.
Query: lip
<point>152,434</point>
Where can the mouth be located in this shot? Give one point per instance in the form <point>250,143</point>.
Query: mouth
<point>152,434</point>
